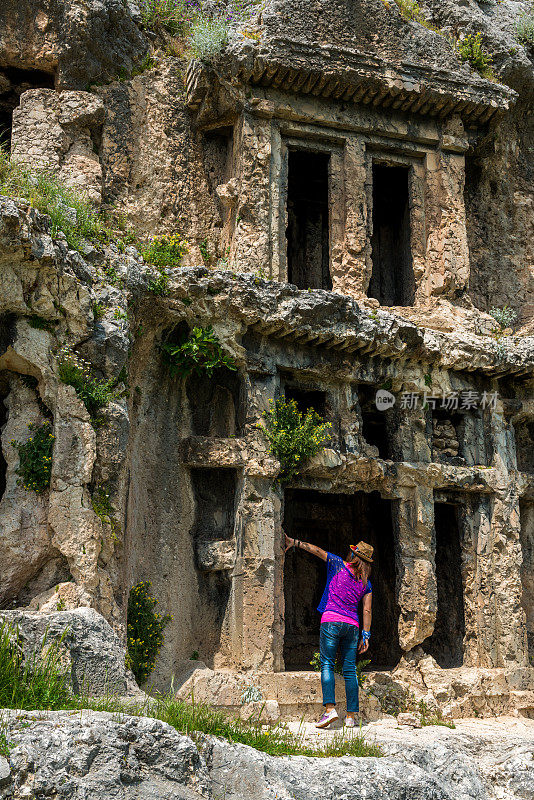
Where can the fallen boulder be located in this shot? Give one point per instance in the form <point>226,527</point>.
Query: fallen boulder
<point>93,650</point>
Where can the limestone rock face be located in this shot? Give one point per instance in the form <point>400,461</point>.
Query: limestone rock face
<point>96,756</point>
<point>94,753</point>
<point>51,538</point>
<point>93,649</point>
<point>78,42</point>
<point>486,764</point>
<point>59,132</point>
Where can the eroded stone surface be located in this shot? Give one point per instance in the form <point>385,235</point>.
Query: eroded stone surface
<point>95,754</point>
<point>195,506</point>
<point>94,652</point>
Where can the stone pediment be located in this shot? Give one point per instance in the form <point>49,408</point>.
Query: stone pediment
<point>351,76</point>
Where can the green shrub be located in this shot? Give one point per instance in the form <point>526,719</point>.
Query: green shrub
<point>35,468</point>
<point>524,30</point>
<point>198,352</point>
<point>40,323</point>
<point>104,510</point>
<point>75,371</point>
<point>504,317</point>
<point>471,50</point>
<point>293,437</point>
<point>38,681</point>
<point>208,37</point>
<point>409,9</point>
<point>411,12</point>
<point>205,252</point>
<point>315,664</point>
<point>99,310</point>
<point>69,210</point>
<point>159,285</point>
<point>167,250</point>
<point>204,26</point>
<point>147,63</point>
<point>145,630</point>
<point>171,15</point>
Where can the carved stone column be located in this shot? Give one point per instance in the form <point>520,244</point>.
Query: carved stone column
<point>417,591</point>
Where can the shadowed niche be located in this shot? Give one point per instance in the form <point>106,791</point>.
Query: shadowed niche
<point>334,522</point>
<point>308,220</point>
<point>392,280</point>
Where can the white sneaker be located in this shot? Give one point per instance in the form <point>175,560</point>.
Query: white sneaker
<point>327,718</point>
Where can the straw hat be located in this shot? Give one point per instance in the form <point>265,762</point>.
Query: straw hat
<point>363,551</point>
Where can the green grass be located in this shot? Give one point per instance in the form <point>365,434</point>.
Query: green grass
<point>524,30</point>
<point>37,682</point>
<point>69,210</point>
<point>76,372</point>
<point>40,323</point>
<point>197,719</point>
<point>41,682</point>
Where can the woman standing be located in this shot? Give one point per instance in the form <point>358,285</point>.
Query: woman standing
<point>347,582</point>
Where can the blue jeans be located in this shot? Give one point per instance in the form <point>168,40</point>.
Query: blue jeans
<point>340,635</point>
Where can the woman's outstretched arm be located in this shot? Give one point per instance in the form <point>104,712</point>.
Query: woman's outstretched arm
<point>310,548</point>
<point>367,617</point>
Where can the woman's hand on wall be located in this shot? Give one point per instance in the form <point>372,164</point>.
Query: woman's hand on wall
<point>289,542</point>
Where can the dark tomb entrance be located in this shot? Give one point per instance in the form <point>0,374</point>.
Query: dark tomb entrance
<point>216,403</point>
<point>526,510</point>
<point>392,279</point>
<point>333,522</point>
<point>306,398</point>
<point>375,424</point>
<point>13,82</point>
<point>4,391</point>
<point>446,643</point>
<point>308,220</point>
<point>214,491</point>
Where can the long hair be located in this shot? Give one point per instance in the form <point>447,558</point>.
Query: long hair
<point>360,568</point>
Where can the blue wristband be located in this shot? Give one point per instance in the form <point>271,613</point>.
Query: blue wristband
<point>366,635</point>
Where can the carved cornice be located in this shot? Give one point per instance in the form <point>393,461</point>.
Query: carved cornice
<point>350,76</point>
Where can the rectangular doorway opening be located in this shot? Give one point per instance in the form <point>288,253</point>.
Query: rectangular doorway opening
<point>524,445</point>
<point>308,248</point>
<point>13,82</point>
<point>526,511</point>
<point>306,398</point>
<point>374,422</point>
<point>334,522</point>
<point>458,438</point>
<point>214,492</point>
<point>446,645</point>
<point>4,391</point>
<point>392,279</point>
<point>216,403</point>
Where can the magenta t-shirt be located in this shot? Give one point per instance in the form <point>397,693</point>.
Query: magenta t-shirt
<point>343,592</point>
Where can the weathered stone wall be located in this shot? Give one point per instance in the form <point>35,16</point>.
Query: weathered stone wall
<point>205,151</point>
<point>60,132</point>
<point>215,558</point>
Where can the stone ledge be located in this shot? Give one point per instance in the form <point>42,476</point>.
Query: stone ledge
<point>349,75</point>
<point>297,694</point>
<point>323,319</point>
<point>247,453</point>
